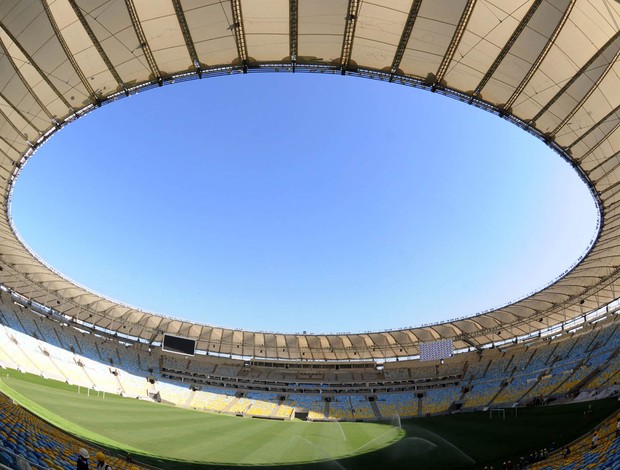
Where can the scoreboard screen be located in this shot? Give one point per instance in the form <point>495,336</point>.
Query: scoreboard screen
<point>179,345</point>
<point>435,350</point>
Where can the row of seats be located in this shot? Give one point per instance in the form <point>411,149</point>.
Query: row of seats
<point>137,361</point>
<point>553,369</point>
<point>439,400</point>
<point>397,404</point>
<point>495,376</point>
<point>584,453</point>
<point>42,445</point>
<point>314,403</point>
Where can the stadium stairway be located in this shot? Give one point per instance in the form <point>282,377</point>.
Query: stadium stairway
<point>121,389</point>
<point>375,409</point>
<point>78,345</point>
<point>61,373</point>
<point>576,367</point>
<point>88,377</point>
<point>18,323</point>
<point>499,392</point>
<point>587,379</point>
<point>22,358</point>
<point>458,403</point>
<point>60,341</point>
<point>230,405</point>
<point>527,392</point>
<point>7,359</point>
<point>419,404</point>
<point>190,397</point>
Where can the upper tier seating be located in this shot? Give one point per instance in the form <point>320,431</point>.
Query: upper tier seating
<point>555,367</point>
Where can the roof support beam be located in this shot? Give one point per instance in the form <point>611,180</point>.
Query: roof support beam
<point>456,40</point>
<point>106,60</point>
<point>534,68</point>
<point>612,206</point>
<point>144,45</point>
<point>34,64</point>
<point>504,52</point>
<point>8,169</point>
<point>567,303</point>
<point>25,82</point>
<point>13,126</point>
<point>577,76</point>
<point>187,35</point>
<point>594,147</point>
<point>471,343</point>
<point>404,37</point>
<point>239,33</point>
<point>349,35</point>
<point>609,188</point>
<point>19,112</point>
<point>293,30</point>
<point>93,95</point>
<point>616,155</point>
<point>585,97</point>
<point>11,144</point>
<point>607,117</point>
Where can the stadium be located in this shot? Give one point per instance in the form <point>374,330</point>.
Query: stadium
<point>519,384</point>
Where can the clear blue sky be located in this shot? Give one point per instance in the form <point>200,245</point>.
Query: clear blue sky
<point>302,202</point>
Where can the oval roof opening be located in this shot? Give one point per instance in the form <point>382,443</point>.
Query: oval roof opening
<point>303,203</point>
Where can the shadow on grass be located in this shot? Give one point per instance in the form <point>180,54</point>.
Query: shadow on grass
<point>466,441</point>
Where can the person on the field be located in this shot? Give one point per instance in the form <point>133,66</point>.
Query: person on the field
<point>101,465</point>
<point>82,460</point>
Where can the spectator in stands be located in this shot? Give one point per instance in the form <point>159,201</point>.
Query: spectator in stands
<point>566,452</point>
<point>22,463</point>
<point>618,428</point>
<point>82,460</point>
<point>101,465</point>
<point>594,440</point>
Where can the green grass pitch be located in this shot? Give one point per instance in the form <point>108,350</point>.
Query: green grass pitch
<point>176,438</point>
<point>167,432</point>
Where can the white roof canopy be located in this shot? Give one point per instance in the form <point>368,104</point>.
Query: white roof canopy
<point>549,66</point>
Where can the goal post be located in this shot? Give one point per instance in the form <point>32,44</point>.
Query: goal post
<point>501,412</point>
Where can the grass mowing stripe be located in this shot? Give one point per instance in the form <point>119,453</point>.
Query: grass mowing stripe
<point>208,437</point>
<point>169,432</point>
<point>59,421</point>
<point>266,450</point>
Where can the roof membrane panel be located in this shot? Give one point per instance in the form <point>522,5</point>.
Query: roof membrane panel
<point>553,64</point>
